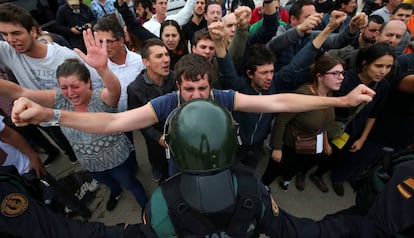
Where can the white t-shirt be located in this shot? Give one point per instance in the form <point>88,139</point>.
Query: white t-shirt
<point>181,17</point>
<point>126,73</point>
<point>40,73</point>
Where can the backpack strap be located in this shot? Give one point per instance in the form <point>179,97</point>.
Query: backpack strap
<point>249,206</point>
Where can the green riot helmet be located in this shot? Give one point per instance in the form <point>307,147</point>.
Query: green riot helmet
<point>202,137</point>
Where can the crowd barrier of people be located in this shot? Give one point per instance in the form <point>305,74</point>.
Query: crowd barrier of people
<point>326,85</point>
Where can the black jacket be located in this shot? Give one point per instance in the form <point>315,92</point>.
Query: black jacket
<point>141,91</point>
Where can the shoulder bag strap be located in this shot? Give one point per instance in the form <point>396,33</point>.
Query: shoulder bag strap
<point>360,107</point>
<point>103,8</point>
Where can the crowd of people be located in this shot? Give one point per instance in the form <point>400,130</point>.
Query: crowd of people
<point>290,76</point>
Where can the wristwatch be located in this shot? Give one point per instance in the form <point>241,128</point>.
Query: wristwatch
<point>267,1</point>
<point>54,121</point>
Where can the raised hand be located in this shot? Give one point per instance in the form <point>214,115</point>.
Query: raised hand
<point>217,35</point>
<point>271,7</point>
<point>357,22</point>
<point>243,15</point>
<point>337,17</point>
<point>216,31</point>
<point>97,55</point>
<point>310,23</point>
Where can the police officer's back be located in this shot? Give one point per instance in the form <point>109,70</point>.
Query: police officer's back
<point>210,198</point>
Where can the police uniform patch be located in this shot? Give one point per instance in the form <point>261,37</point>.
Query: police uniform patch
<point>406,188</point>
<point>275,208</point>
<point>14,205</point>
<point>410,183</point>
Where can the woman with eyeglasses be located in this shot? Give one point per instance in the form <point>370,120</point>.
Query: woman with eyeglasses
<point>327,74</point>
<point>173,37</point>
<point>347,159</point>
<point>107,158</point>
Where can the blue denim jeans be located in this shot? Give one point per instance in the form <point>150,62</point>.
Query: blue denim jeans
<point>123,176</point>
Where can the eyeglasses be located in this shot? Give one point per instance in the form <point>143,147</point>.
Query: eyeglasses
<point>336,73</point>
<point>109,42</point>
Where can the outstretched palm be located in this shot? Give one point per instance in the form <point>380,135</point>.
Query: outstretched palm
<point>97,55</point>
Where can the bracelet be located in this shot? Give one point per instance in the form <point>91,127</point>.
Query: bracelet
<point>54,121</point>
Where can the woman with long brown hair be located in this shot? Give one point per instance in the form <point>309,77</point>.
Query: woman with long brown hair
<point>327,75</point>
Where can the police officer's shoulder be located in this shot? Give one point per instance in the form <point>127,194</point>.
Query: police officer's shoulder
<point>10,175</point>
<point>266,198</point>
<point>158,218</point>
<point>14,196</point>
<point>241,170</point>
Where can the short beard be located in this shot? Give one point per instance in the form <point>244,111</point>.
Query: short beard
<point>368,40</point>
<point>199,15</point>
<point>30,48</point>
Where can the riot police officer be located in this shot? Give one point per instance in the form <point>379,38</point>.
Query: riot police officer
<point>214,196</point>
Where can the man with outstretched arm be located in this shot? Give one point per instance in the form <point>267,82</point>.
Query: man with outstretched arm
<point>193,77</point>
